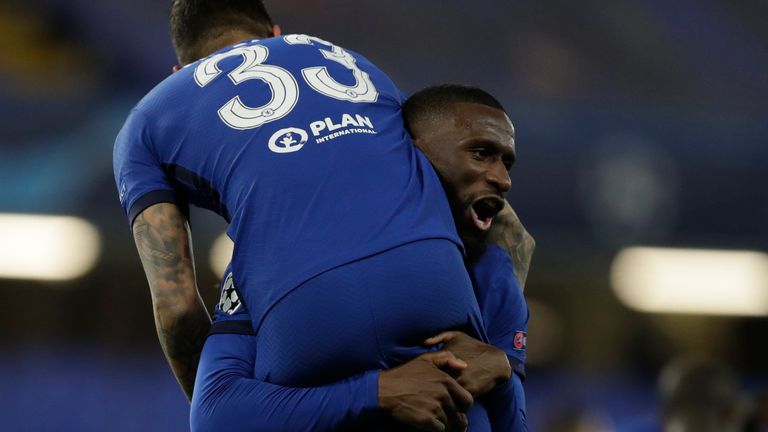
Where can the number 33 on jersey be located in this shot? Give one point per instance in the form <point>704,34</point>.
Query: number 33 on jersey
<point>285,89</point>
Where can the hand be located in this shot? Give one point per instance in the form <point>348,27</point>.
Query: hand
<point>508,232</point>
<point>420,394</point>
<point>487,366</point>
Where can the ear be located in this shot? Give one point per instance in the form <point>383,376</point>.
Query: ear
<point>176,68</point>
<point>276,30</point>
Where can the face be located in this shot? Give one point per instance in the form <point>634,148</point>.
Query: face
<point>472,149</point>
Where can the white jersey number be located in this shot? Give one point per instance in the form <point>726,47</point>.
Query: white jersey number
<point>319,79</point>
<point>237,115</point>
<point>284,88</point>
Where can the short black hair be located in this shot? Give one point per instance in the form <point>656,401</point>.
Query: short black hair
<point>193,22</point>
<point>435,99</point>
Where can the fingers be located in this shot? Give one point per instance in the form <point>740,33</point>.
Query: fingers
<point>443,359</point>
<point>432,425</point>
<point>474,387</point>
<point>456,364</point>
<point>433,419</point>
<point>463,421</point>
<point>442,337</point>
<point>422,394</point>
<point>448,411</point>
<point>458,420</point>
<point>462,399</point>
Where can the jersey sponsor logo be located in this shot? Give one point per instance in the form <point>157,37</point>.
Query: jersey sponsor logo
<point>288,140</point>
<point>292,139</point>
<point>520,340</point>
<point>229,302</point>
<point>329,128</point>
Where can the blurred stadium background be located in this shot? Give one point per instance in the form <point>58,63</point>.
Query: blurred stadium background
<point>641,123</point>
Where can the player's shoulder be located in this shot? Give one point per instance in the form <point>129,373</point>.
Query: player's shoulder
<point>491,259</point>
<point>494,270</point>
<point>165,92</point>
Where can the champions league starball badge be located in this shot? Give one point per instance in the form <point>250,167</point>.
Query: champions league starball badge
<point>229,302</point>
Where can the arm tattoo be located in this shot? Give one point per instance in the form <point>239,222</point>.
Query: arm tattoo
<point>162,238</point>
<point>183,342</point>
<point>509,233</point>
<point>521,255</point>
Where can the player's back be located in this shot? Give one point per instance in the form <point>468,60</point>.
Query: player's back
<point>300,145</point>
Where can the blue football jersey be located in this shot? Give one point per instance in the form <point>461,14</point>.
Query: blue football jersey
<point>296,142</point>
<point>502,304</point>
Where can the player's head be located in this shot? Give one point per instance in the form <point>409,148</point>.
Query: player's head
<point>196,25</point>
<point>470,141</point>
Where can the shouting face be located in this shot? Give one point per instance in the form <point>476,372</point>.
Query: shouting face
<point>472,147</point>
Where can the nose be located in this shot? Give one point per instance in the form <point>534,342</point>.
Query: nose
<point>498,176</point>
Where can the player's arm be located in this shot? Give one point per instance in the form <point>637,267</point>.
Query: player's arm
<point>499,276</point>
<point>502,306</point>
<point>508,232</point>
<point>505,313</point>
<point>163,240</point>
<point>227,397</point>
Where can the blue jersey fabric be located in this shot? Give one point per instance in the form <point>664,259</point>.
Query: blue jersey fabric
<point>505,315</point>
<point>299,144</point>
<point>228,396</point>
<point>373,313</point>
<point>502,303</point>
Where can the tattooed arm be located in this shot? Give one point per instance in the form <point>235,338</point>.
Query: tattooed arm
<point>163,239</point>
<point>509,233</point>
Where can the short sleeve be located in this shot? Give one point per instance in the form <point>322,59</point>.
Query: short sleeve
<point>141,181</point>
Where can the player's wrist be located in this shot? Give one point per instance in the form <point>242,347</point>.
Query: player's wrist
<point>369,398</point>
<point>504,368</point>
<point>384,391</point>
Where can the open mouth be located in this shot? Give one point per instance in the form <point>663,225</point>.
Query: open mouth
<point>483,211</point>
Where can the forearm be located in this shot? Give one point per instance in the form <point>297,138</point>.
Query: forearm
<point>247,404</point>
<point>229,398</point>
<point>163,240</point>
<point>182,335</point>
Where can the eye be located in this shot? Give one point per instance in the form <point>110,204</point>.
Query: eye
<point>480,153</point>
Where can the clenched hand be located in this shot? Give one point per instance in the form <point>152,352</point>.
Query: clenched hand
<point>487,366</point>
<point>421,394</point>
